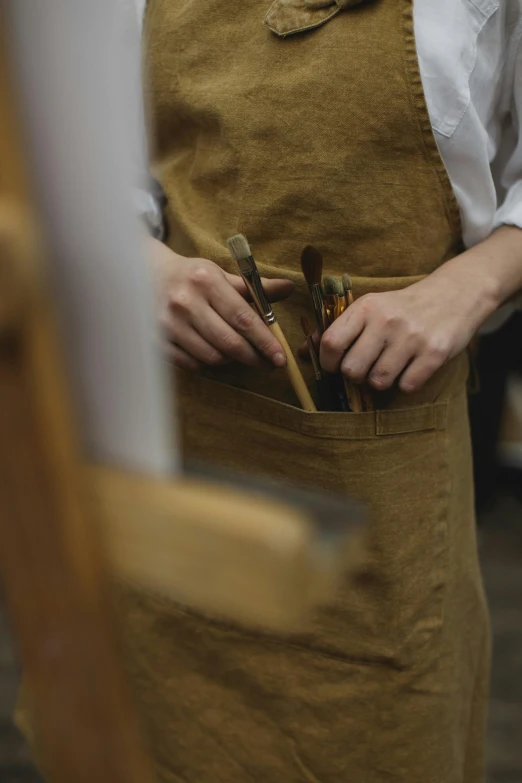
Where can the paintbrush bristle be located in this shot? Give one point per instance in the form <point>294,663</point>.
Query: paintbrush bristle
<point>306,326</point>
<point>330,286</point>
<point>312,265</point>
<point>339,290</point>
<point>239,247</point>
<point>347,283</point>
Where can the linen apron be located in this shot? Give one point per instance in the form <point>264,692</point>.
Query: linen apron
<point>313,128</point>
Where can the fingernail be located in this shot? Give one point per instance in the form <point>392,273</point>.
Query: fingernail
<point>279,359</point>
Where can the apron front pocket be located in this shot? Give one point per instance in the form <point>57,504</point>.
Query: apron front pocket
<point>287,17</point>
<point>392,461</point>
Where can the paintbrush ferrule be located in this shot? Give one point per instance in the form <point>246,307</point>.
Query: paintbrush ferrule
<point>248,270</point>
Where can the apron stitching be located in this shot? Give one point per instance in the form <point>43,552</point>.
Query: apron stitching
<point>438,421</point>
<point>441,521</point>
<point>418,100</point>
<point>299,29</point>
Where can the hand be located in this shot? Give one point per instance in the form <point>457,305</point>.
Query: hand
<point>205,314</point>
<point>408,334</point>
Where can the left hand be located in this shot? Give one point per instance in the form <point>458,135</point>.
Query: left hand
<point>406,334</point>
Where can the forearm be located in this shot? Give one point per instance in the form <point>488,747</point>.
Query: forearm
<point>489,274</point>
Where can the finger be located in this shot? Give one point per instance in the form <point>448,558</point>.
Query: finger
<point>304,351</point>
<point>241,317</point>
<point>420,370</point>
<point>186,337</point>
<point>276,289</point>
<point>363,354</point>
<point>181,358</point>
<point>339,337</point>
<point>389,366</point>
<point>228,342</point>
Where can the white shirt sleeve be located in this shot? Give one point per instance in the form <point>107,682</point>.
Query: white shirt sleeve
<point>509,176</point>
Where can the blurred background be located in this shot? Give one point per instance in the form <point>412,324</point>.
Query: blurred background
<point>496,417</point>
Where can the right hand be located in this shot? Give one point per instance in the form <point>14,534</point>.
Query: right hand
<point>205,314</point>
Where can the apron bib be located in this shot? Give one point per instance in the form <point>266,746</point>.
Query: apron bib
<point>313,129</point>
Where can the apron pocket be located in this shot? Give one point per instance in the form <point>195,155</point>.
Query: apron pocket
<point>287,17</point>
<point>392,461</point>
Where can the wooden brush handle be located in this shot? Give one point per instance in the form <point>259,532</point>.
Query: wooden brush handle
<point>354,396</point>
<point>294,373</point>
<point>367,398</point>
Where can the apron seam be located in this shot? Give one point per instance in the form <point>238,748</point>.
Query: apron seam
<point>441,520</point>
<point>418,101</point>
<point>329,436</point>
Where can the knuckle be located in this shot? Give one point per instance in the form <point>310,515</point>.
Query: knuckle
<point>330,343</point>
<point>366,303</point>
<point>244,320</point>
<point>181,300</point>
<point>392,320</point>
<point>380,378</point>
<point>165,322</point>
<point>352,372</point>
<point>437,352</point>
<point>232,344</point>
<point>415,333</point>
<point>201,274</point>
<point>213,358</point>
<point>268,347</point>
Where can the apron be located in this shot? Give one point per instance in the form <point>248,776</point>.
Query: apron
<point>313,128</point>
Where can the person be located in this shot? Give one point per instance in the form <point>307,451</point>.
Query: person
<point>387,134</point>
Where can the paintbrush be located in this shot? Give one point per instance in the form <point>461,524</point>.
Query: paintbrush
<point>336,380</point>
<point>330,298</point>
<point>340,301</point>
<point>312,268</point>
<point>336,303</point>
<point>240,252</point>
<point>323,388</point>
<point>347,290</point>
<point>364,393</point>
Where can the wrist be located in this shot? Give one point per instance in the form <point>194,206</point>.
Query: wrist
<point>470,288</point>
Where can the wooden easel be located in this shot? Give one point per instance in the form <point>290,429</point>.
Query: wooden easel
<point>64,524</point>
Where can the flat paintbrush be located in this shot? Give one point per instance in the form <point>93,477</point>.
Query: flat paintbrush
<point>365,395</point>
<point>312,268</point>
<point>240,252</point>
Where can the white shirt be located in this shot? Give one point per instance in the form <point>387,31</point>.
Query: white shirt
<point>470,56</point>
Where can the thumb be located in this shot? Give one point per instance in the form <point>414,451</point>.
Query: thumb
<point>275,289</point>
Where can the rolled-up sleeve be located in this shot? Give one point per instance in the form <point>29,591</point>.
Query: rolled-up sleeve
<point>509,174</point>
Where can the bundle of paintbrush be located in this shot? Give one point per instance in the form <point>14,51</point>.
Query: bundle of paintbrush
<point>330,298</point>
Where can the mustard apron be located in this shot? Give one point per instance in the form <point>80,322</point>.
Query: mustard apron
<point>313,128</point>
